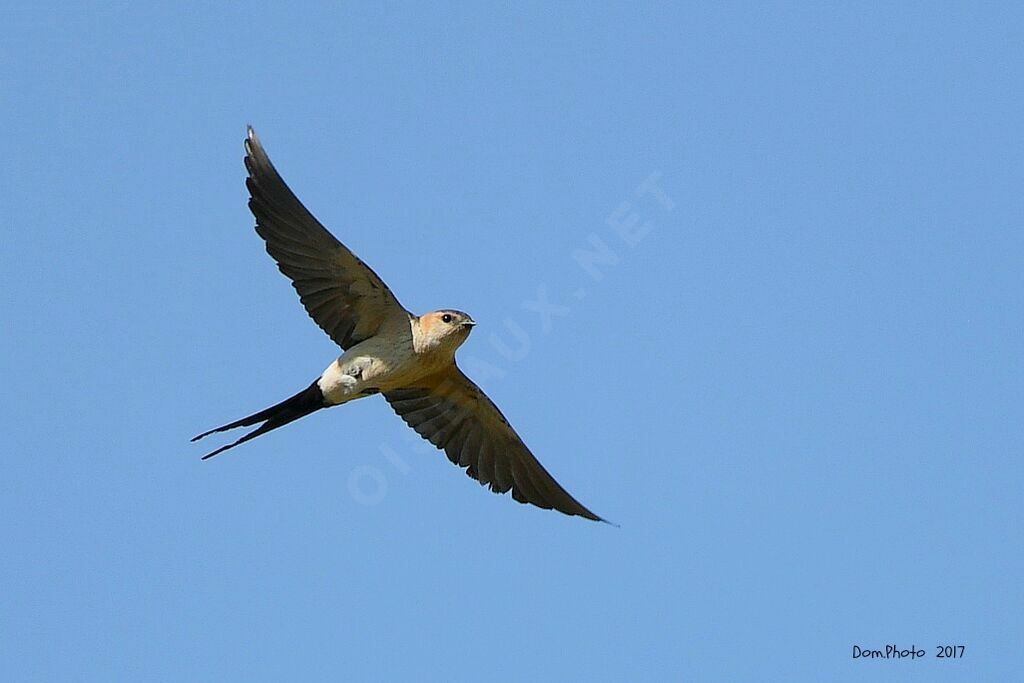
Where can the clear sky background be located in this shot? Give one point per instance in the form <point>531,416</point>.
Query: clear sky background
<point>797,388</point>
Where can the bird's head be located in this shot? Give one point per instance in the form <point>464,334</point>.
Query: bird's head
<point>445,329</point>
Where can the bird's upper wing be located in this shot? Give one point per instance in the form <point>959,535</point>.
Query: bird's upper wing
<point>451,412</point>
<point>343,296</point>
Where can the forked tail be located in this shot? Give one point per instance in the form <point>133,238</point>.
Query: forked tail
<point>307,401</point>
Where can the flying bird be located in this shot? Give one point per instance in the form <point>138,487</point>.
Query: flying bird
<point>408,359</point>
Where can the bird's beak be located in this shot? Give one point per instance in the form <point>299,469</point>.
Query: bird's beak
<point>468,323</point>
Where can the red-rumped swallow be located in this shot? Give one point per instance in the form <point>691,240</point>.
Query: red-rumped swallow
<point>408,359</point>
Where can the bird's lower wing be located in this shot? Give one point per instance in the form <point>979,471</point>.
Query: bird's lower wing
<point>451,412</point>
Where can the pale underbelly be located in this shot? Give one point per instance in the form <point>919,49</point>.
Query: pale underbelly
<point>349,378</point>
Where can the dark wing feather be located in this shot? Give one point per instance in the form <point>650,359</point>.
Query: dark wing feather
<point>451,412</point>
<point>341,293</point>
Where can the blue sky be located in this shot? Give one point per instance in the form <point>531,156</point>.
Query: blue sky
<point>796,383</point>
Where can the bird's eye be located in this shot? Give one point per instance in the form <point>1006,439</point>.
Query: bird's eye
<point>446,318</point>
